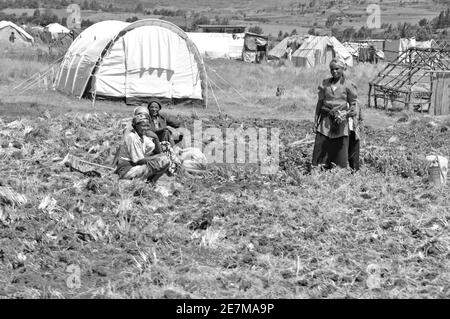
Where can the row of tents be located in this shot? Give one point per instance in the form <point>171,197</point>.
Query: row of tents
<point>309,51</point>
<point>155,58</point>
<point>22,37</point>
<point>147,58</point>
<point>304,51</point>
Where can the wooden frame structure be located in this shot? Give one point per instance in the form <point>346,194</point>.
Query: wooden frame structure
<point>410,79</point>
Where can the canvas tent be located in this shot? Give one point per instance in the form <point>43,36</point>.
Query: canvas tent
<point>255,47</point>
<point>394,48</point>
<point>147,58</point>
<point>56,30</point>
<point>316,50</point>
<point>309,51</point>
<point>21,36</point>
<point>365,51</point>
<point>279,51</point>
<point>218,45</point>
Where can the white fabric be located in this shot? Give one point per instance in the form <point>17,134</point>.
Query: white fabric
<point>151,47</point>
<point>76,67</point>
<point>218,45</point>
<point>149,60</point>
<point>394,48</point>
<point>192,158</point>
<point>353,47</point>
<point>4,24</point>
<point>56,28</point>
<point>442,163</point>
<point>249,56</point>
<point>405,44</point>
<point>350,124</point>
<point>341,51</point>
<point>280,49</point>
<point>110,78</point>
<point>424,44</point>
<point>91,42</point>
<point>317,50</point>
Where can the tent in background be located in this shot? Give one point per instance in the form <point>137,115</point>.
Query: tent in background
<point>424,44</point>
<point>365,51</point>
<point>56,30</point>
<point>394,48</point>
<point>255,47</point>
<point>218,45</point>
<point>21,36</point>
<point>133,61</point>
<point>279,51</point>
<point>316,50</point>
<point>309,50</point>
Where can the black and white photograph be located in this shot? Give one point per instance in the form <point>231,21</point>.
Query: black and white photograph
<point>224,155</point>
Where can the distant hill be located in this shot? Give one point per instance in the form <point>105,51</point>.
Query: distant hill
<point>285,16</point>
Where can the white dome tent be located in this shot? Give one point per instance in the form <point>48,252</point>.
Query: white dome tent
<point>133,61</point>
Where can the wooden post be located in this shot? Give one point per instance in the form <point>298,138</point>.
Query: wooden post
<point>407,100</point>
<point>408,96</point>
<point>375,101</point>
<point>93,100</point>
<point>432,94</point>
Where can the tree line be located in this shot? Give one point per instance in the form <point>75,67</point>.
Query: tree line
<point>93,5</point>
<point>424,30</point>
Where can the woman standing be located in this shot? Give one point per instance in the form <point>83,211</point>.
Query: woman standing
<point>335,117</point>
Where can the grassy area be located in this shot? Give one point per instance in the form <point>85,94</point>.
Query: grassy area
<point>379,233</point>
<point>241,90</point>
<point>234,234</point>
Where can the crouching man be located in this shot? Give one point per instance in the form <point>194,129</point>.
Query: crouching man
<point>138,157</point>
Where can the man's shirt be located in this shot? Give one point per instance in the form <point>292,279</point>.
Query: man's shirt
<point>135,148</point>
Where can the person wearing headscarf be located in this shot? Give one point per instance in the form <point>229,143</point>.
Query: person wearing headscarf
<point>143,111</point>
<point>138,111</point>
<point>137,158</point>
<point>337,103</point>
<point>163,126</point>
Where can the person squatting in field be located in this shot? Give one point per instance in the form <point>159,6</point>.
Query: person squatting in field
<point>336,121</point>
<point>138,157</point>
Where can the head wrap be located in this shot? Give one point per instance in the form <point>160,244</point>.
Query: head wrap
<point>338,62</point>
<point>154,101</point>
<point>141,110</point>
<point>139,119</point>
